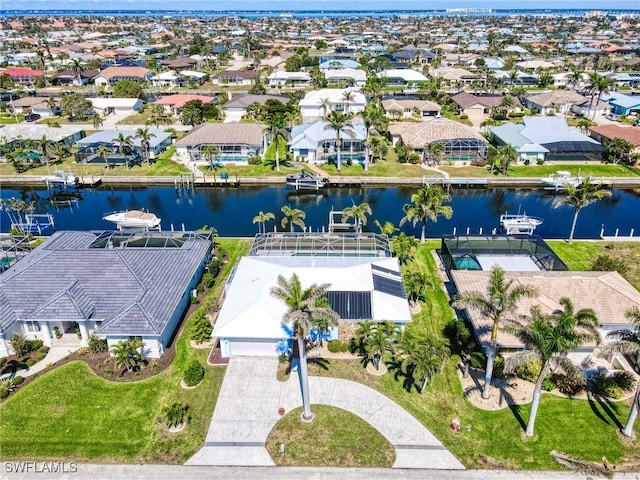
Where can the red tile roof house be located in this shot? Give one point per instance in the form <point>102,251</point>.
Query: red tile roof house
<point>24,76</point>
<point>173,103</point>
<point>235,77</point>
<point>113,75</point>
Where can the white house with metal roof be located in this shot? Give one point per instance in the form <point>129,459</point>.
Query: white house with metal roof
<point>365,284</point>
<point>318,103</point>
<point>316,143</point>
<point>112,284</point>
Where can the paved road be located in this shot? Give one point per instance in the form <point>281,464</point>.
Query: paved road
<point>177,472</point>
<point>247,410</point>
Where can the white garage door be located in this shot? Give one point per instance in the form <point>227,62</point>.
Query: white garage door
<point>259,348</point>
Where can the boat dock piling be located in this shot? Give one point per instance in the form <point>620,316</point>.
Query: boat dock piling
<point>616,237</point>
<point>89,181</point>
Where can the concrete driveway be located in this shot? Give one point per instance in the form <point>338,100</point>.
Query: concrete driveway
<point>247,410</point>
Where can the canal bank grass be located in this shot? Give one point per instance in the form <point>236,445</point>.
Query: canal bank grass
<point>496,438</point>
<point>336,438</point>
<point>581,255</point>
<point>70,413</point>
<point>542,171</point>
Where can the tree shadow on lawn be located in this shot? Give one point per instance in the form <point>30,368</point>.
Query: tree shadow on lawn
<point>608,408</point>
<point>12,366</point>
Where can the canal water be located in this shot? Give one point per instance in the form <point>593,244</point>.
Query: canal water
<point>231,210</point>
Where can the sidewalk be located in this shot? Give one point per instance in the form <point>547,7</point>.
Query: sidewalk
<point>56,353</point>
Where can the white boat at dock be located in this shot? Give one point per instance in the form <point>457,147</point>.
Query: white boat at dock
<point>519,224</point>
<point>560,179</point>
<point>61,179</point>
<point>306,180</point>
<point>133,219</point>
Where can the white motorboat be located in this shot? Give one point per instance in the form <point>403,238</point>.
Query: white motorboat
<point>519,224</point>
<point>61,179</point>
<point>133,219</point>
<point>560,179</point>
<point>307,181</point>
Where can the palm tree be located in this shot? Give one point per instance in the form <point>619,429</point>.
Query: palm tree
<point>580,196</point>
<point>211,153</point>
<point>127,353</point>
<point>414,284</point>
<point>261,219</point>
<point>52,103</point>
<point>276,132</point>
<point>628,343</point>
<point>427,205</point>
<point>292,216</point>
<point>435,151</point>
<point>421,358</point>
<point>379,147</point>
<point>357,212</point>
<point>506,156</point>
<point>339,122</point>
<point>599,85</point>
<point>47,147</point>
<point>549,338</point>
<point>96,120</point>
<point>375,339</point>
<point>305,309</point>
<point>498,303</point>
<point>347,97</point>
<point>124,143</point>
<point>292,118</point>
<point>374,120</point>
<point>103,152</point>
<point>325,103</point>
<point>388,228</point>
<point>145,137</point>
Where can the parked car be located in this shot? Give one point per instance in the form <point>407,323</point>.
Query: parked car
<point>613,116</point>
<point>31,117</point>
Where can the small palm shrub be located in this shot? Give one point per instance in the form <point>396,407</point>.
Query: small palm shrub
<point>34,345</point>
<point>97,344</point>
<point>7,386</point>
<point>40,356</point>
<point>193,374</point>
<point>175,414</point>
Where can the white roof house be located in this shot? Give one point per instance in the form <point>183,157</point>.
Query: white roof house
<point>313,141</point>
<point>361,288</point>
<point>311,106</point>
<point>289,78</point>
<point>346,75</point>
<point>116,105</point>
<point>402,76</point>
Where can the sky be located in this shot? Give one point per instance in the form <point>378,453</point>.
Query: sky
<point>293,5</point>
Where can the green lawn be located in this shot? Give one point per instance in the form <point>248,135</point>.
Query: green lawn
<point>386,168</point>
<point>336,438</point>
<point>541,171</point>
<point>10,119</point>
<point>71,413</point>
<point>136,118</point>
<point>496,439</point>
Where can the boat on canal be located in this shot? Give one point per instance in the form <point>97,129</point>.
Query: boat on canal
<point>305,180</point>
<point>133,219</point>
<point>559,180</point>
<point>519,224</point>
<point>61,179</point>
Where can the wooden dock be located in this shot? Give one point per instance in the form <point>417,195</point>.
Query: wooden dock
<point>89,181</point>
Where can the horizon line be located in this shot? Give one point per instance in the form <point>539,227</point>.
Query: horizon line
<point>390,9</point>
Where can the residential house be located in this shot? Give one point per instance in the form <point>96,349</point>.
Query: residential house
<point>113,75</point>
<point>456,75</point>
<point>15,136</point>
<point>622,104</point>
<point>555,102</point>
<point>236,107</point>
<point>479,107</point>
<point>541,139</point>
<point>39,105</point>
<point>119,106</point>
<point>23,76</point>
<point>346,76</point>
<point>174,103</point>
<point>236,142</point>
<point>143,288</point>
<point>235,77</point>
<point>338,64</point>
<point>462,143</point>
<point>365,283</point>
<point>410,108</point>
<point>289,79</point>
<point>402,77</point>
<point>313,106</point>
<point>607,133</point>
<point>413,55</point>
<point>316,143</point>
<point>178,64</point>
<point>158,143</point>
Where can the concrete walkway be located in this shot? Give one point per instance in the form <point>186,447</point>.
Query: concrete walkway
<point>247,410</point>
<point>59,349</point>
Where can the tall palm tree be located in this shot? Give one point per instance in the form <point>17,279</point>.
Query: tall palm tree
<point>124,143</point>
<point>388,228</point>
<point>305,309</point>
<point>277,132</point>
<point>261,219</point>
<point>292,216</point>
<point>421,357</point>
<point>96,120</point>
<point>52,103</point>
<point>325,104</point>
<point>103,152</point>
<point>47,147</point>
<point>427,205</point>
<point>347,97</point>
<point>580,196</point>
<point>358,213</point>
<point>414,284</point>
<point>549,338</point>
<point>498,304</point>
<point>628,343</point>
<point>599,85</point>
<point>340,123</point>
<point>145,137</point>
<point>375,340</point>
<point>211,153</point>
<point>374,120</point>
<point>435,150</point>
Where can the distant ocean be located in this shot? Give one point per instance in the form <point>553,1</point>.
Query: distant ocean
<point>309,13</point>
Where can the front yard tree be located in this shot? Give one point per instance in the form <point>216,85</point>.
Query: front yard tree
<point>261,219</point>
<point>427,205</point>
<point>619,150</point>
<point>305,310</point>
<point>192,113</point>
<point>128,354</point>
<point>375,339</point>
<point>628,343</point>
<point>127,89</point>
<point>580,196</point>
<point>75,107</point>
<point>421,357</point>
<point>340,123</point>
<point>498,304</point>
<point>277,132</point>
<point>145,137</point>
<point>549,338</point>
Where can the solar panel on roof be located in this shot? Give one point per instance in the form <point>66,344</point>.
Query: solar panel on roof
<point>389,286</point>
<point>350,305</point>
<point>385,270</point>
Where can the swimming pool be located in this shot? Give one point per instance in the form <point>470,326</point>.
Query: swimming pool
<point>467,262</point>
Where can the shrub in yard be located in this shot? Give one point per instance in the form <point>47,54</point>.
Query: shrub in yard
<point>34,345</point>
<point>44,350</point>
<point>605,263</point>
<point>529,371</point>
<point>611,386</point>
<point>98,344</point>
<point>18,380</point>
<point>193,374</point>
<point>208,279</point>
<point>175,414</point>
<point>625,380</point>
<point>336,346</point>
<point>7,386</point>
<point>3,360</point>
<point>215,266</point>
<point>40,356</point>
<point>19,344</point>
<point>201,328</point>
<point>30,362</point>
